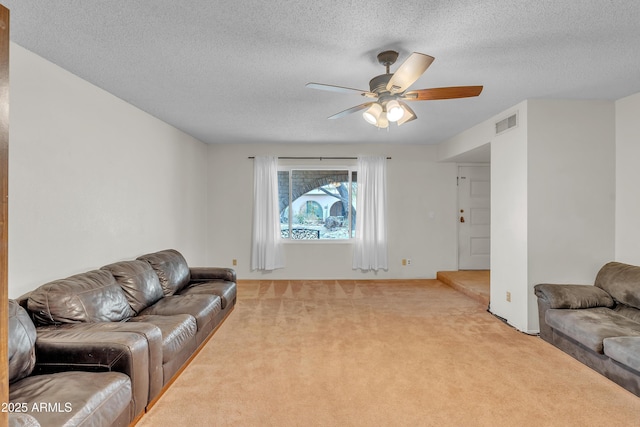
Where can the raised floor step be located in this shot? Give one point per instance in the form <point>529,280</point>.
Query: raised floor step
<point>473,283</point>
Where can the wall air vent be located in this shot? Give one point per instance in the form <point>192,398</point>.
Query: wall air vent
<point>506,124</point>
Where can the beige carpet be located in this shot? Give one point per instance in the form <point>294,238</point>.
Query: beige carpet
<point>347,353</point>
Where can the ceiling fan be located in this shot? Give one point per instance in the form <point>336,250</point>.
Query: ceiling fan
<point>390,91</point>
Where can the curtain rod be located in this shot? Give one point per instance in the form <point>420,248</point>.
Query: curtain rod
<point>316,158</point>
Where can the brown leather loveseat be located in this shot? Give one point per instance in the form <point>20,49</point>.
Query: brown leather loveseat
<point>170,308</point>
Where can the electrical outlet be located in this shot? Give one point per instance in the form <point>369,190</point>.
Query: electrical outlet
<point>234,262</point>
<point>508,296</point>
<point>408,261</point>
<point>404,261</point>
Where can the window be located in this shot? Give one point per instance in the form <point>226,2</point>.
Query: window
<point>317,204</point>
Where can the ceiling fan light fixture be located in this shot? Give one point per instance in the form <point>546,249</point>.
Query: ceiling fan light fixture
<point>394,111</point>
<point>372,115</point>
<point>383,123</point>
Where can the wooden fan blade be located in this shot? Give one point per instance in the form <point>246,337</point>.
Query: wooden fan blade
<point>442,93</point>
<point>351,110</point>
<point>408,114</point>
<point>409,72</point>
<point>340,89</point>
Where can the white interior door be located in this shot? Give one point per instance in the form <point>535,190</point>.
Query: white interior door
<point>474,217</point>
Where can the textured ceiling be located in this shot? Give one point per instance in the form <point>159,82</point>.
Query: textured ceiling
<point>235,71</point>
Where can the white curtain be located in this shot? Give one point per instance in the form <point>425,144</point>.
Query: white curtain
<point>370,251</point>
<point>266,246</point>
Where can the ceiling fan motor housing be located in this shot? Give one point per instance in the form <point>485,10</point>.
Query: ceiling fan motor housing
<point>378,85</point>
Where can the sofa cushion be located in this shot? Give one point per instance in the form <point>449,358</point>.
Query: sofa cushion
<point>621,281</point>
<point>202,307</point>
<point>625,350</point>
<point>171,268</point>
<point>22,340</point>
<point>84,398</point>
<point>178,333</point>
<point>94,296</point>
<point>225,290</point>
<point>591,326</point>
<point>19,419</point>
<point>628,312</point>
<point>139,282</point>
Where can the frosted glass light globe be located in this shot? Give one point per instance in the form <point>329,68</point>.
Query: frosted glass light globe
<point>373,114</point>
<point>394,111</point>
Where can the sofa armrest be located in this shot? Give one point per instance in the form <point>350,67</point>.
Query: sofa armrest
<point>573,296</point>
<point>22,301</point>
<point>84,347</point>
<point>206,274</point>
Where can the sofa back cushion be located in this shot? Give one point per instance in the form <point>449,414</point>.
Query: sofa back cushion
<point>139,282</point>
<point>22,343</point>
<point>94,296</point>
<point>171,268</point>
<point>621,281</point>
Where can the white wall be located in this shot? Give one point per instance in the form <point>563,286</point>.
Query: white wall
<point>552,199</point>
<point>571,192</point>
<point>465,142</point>
<point>509,218</point>
<point>422,213</point>
<point>93,180</point>
<point>628,179</point>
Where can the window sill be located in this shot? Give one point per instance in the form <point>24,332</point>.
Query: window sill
<point>317,241</point>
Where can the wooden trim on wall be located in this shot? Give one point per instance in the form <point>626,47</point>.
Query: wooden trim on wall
<point>4,210</point>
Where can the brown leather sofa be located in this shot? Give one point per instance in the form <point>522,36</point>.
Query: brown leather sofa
<point>168,307</point>
<point>66,397</point>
